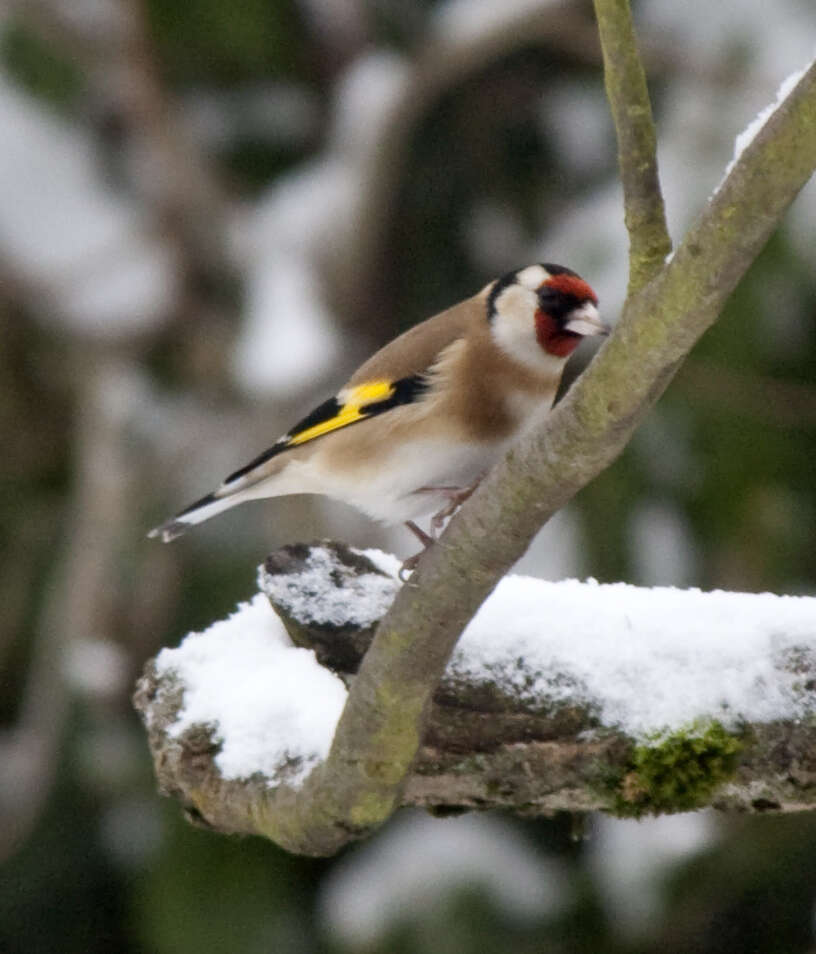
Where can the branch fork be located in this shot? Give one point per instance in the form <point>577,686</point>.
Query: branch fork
<point>379,748</point>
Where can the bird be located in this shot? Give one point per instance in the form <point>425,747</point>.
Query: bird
<point>418,425</point>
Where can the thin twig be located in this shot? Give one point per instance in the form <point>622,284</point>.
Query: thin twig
<point>625,79</point>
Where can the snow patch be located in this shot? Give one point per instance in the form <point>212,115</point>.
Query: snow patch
<point>645,661</point>
<point>385,562</point>
<point>747,136</point>
<point>316,593</point>
<point>270,704</point>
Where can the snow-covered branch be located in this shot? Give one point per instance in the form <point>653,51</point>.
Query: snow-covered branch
<point>384,738</point>
<point>559,697</point>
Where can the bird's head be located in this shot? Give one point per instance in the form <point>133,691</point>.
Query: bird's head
<point>542,307</point>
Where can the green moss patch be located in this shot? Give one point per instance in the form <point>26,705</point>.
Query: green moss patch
<point>677,772</point>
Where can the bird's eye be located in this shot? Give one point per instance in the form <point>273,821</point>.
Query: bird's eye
<point>556,303</point>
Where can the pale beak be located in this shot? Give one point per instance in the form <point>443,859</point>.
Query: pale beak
<point>586,321</point>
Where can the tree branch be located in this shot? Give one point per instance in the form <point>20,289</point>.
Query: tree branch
<point>511,736</point>
<point>380,732</point>
<point>625,79</point>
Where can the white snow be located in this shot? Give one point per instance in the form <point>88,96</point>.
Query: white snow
<point>747,136</point>
<point>269,701</point>
<point>313,593</point>
<point>648,660</point>
<point>645,660</point>
<point>386,562</point>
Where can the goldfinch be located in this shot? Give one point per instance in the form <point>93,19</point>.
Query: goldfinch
<point>419,424</point>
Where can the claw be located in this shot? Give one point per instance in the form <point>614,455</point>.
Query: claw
<point>409,566</point>
<point>425,539</point>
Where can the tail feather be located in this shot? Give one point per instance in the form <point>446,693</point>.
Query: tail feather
<point>264,480</point>
<point>197,512</point>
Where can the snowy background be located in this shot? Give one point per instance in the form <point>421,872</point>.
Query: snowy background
<point>209,213</point>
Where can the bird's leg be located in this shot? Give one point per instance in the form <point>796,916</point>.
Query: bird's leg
<point>456,497</point>
<point>425,539</point>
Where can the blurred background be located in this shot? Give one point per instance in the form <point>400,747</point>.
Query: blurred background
<point>209,213</point>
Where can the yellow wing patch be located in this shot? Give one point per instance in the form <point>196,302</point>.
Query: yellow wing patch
<point>350,404</point>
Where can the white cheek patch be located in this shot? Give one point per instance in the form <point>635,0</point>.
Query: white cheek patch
<point>513,323</point>
<point>532,277</point>
<point>517,304</point>
<point>513,328</point>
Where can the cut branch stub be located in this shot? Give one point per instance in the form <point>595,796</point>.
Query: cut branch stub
<point>330,598</point>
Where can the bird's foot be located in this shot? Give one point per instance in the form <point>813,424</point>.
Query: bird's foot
<point>425,539</point>
<point>409,566</point>
<point>456,496</point>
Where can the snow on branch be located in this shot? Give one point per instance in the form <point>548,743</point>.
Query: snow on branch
<point>747,136</point>
<point>559,696</point>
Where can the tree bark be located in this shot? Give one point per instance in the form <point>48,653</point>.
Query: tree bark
<point>484,748</point>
